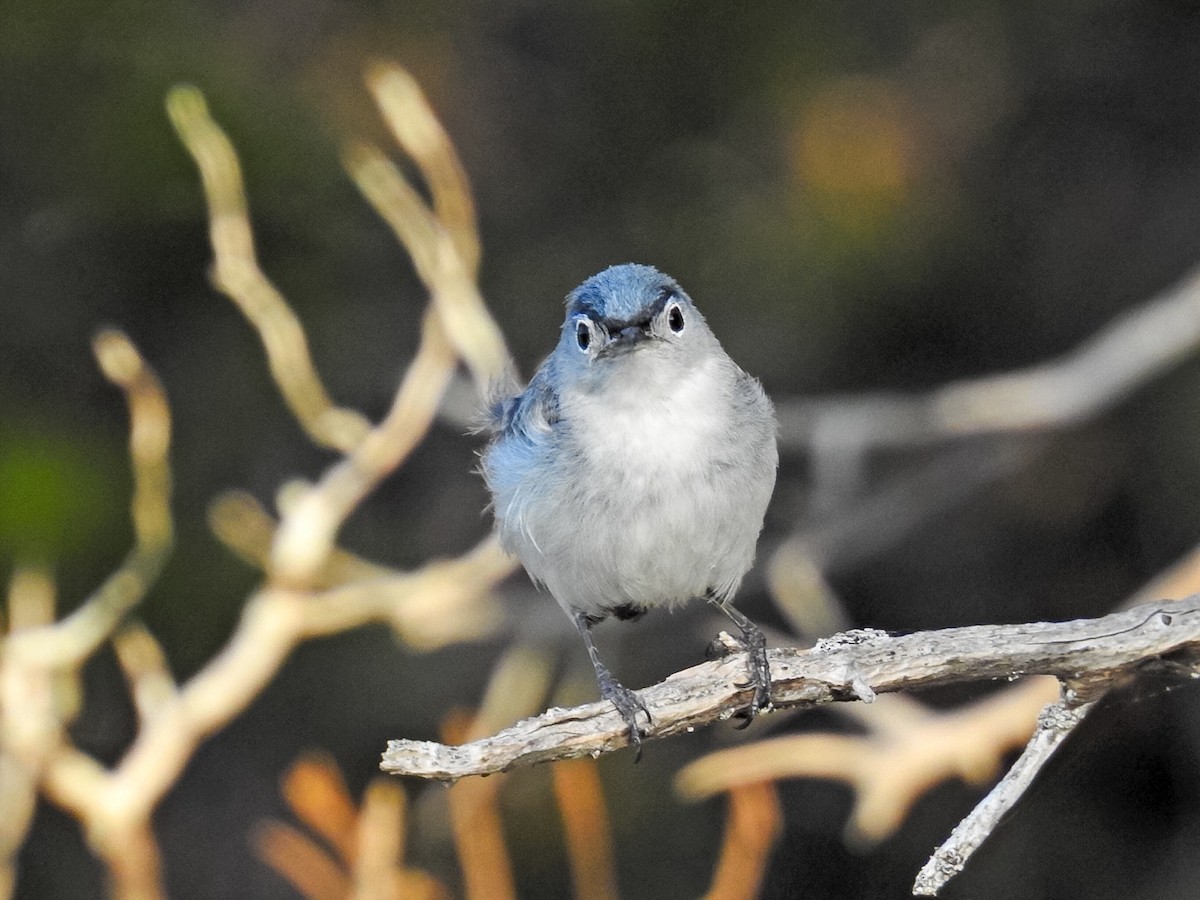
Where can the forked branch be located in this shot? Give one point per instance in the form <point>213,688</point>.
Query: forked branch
<point>849,666</point>
<point>1086,655</point>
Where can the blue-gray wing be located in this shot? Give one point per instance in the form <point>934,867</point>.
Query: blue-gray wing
<point>529,415</point>
<point>523,425</point>
<point>515,464</point>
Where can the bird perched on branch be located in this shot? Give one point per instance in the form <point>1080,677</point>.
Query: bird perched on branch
<point>635,469</point>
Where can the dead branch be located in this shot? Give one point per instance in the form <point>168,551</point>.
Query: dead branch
<point>236,273</point>
<point>1093,377</point>
<point>906,750</point>
<point>1055,724</point>
<point>848,666</point>
<point>1089,656</point>
<point>313,587</point>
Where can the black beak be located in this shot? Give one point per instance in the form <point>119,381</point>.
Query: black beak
<point>624,338</point>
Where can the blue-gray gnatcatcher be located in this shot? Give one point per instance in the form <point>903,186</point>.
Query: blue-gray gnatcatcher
<point>635,469</point>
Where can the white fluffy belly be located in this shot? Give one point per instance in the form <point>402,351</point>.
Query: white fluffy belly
<point>650,518</point>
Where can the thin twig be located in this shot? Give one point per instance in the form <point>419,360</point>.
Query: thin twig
<point>417,130</point>
<point>1055,725</point>
<point>305,537</point>
<point>236,273</point>
<point>1096,375</point>
<point>67,643</point>
<point>469,326</point>
<point>905,750</point>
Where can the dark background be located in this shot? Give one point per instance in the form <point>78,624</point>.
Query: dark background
<point>870,195</point>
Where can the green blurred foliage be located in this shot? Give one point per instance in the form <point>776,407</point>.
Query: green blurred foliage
<point>57,491</point>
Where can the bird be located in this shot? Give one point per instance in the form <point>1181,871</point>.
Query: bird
<point>634,470</point>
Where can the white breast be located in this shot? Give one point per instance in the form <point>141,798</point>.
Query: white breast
<point>669,423</point>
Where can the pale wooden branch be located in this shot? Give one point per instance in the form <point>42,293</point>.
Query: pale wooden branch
<point>417,130</point>
<point>902,748</point>
<point>306,534</point>
<point>1055,725</point>
<point>852,665</point>
<point>456,325</point>
<point>244,526</point>
<point>31,714</point>
<point>144,663</point>
<point>313,587</point>
<point>40,659</point>
<point>236,273</point>
<point>68,642</point>
<point>469,327</point>
<point>1094,376</point>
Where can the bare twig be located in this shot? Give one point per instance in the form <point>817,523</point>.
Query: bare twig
<point>907,750</point>
<point>145,667</point>
<point>442,602</point>
<point>469,327</point>
<point>31,717</point>
<point>237,274</point>
<point>420,134</point>
<point>1055,725</point>
<point>1091,378</point>
<point>839,668</point>
<point>456,325</point>
<point>307,531</point>
<point>243,525</point>
<point>39,664</point>
<point>67,643</point>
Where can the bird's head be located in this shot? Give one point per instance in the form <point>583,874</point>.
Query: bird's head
<point>627,314</point>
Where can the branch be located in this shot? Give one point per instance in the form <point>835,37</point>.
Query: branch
<point>903,750</point>
<point>312,588</point>
<point>1097,374</point>
<point>1055,724</point>
<point>852,665</point>
<point>236,273</point>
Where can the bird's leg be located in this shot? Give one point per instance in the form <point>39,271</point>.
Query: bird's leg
<point>756,644</point>
<point>626,701</point>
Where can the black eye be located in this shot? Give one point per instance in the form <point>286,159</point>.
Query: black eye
<point>675,319</point>
<point>583,334</point>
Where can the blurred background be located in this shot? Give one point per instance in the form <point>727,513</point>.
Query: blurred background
<point>864,196</point>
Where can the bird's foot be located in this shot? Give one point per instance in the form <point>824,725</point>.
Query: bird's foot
<point>755,644</point>
<point>628,703</point>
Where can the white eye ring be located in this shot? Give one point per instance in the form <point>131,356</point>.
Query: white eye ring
<point>584,332</point>
<point>675,320</point>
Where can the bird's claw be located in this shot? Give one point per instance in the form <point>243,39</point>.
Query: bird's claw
<point>628,703</point>
<point>755,644</point>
